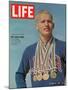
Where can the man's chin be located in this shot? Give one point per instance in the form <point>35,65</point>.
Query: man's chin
<point>46,34</point>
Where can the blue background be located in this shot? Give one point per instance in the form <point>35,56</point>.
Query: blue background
<point>26,28</point>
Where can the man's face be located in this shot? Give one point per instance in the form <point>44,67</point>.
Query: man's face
<point>45,24</point>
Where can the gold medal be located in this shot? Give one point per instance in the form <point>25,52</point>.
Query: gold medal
<point>34,77</point>
<point>45,76</point>
<point>53,74</point>
<point>39,76</point>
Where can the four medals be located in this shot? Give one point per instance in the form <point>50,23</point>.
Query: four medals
<point>45,76</point>
<point>49,67</point>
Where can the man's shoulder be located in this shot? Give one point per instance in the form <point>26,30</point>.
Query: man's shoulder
<point>60,42</point>
<point>31,48</point>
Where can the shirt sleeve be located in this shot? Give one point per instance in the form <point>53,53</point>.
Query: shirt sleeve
<point>22,71</point>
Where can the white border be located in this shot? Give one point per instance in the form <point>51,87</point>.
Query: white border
<point>46,1</point>
<point>4,43</point>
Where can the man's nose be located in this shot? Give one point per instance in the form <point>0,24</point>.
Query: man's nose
<point>46,23</point>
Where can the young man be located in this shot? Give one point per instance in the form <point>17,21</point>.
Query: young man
<point>45,59</point>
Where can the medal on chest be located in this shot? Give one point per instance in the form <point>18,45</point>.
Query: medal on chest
<point>45,76</point>
<point>44,63</point>
<point>53,74</point>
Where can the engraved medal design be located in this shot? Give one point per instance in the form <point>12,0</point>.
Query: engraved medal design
<point>45,76</point>
<point>39,76</point>
<point>53,74</point>
<point>35,77</point>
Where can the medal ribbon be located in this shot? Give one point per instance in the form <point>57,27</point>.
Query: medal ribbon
<point>42,62</point>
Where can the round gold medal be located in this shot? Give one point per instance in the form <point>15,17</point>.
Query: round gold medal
<point>34,77</point>
<point>53,74</point>
<point>45,76</point>
<point>39,76</point>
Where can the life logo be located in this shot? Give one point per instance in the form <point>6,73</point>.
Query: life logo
<point>22,11</point>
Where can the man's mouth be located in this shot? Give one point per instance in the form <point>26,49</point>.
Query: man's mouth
<point>46,29</point>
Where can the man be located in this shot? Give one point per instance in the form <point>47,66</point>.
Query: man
<point>45,59</point>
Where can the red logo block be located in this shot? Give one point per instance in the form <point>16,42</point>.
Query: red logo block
<point>22,11</point>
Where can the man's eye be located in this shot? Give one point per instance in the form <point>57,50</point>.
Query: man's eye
<point>49,21</point>
<point>43,21</point>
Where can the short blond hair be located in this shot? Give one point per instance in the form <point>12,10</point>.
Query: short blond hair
<point>43,12</point>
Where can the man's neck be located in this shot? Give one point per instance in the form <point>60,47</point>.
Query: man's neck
<point>45,39</point>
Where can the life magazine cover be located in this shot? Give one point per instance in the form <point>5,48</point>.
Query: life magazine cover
<point>37,34</point>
